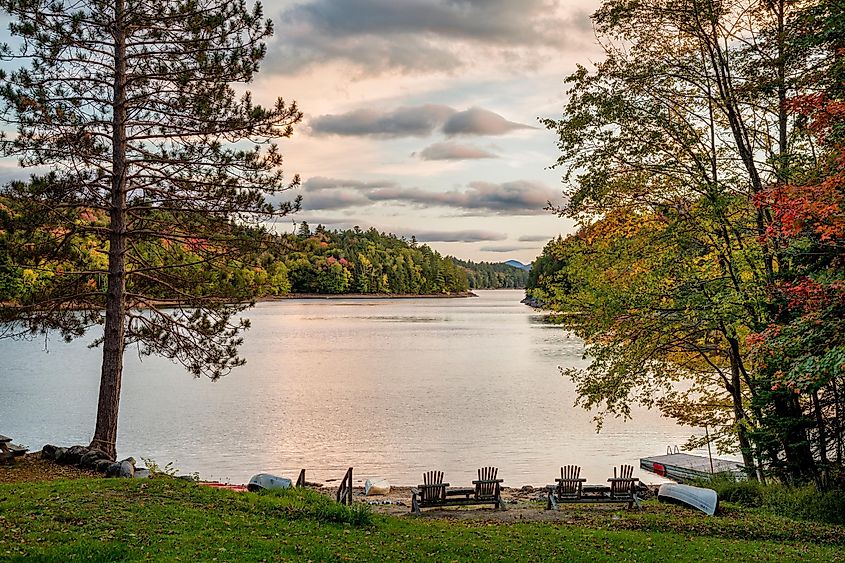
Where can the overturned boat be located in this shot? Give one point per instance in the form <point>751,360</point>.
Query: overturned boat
<point>266,481</point>
<point>705,500</point>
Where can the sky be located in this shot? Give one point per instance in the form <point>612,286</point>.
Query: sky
<point>422,116</point>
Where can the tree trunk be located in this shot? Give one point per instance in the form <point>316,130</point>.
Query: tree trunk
<point>739,411</point>
<point>800,464</point>
<point>105,434</point>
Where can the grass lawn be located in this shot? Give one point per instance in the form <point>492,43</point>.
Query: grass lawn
<point>168,519</point>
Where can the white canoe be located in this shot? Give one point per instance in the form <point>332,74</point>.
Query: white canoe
<point>376,487</point>
<point>267,481</point>
<point>705,500</point>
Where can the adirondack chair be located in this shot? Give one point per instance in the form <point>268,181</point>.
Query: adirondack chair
<point>431,493</point>
<point>488,488</point>
<point>624,487</point>
<point>568,488</point>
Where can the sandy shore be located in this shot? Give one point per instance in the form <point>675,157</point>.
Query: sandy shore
<point>365,296</point>
<point>525,504</point>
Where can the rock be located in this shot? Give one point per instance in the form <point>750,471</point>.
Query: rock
<point>48,452</point>
<point>102,465</point>
<point>71,455</point>
<point>59,452</point>
<point>125,468</point>
<point>142,473</point>
<point>527,488</point>
<point>91,457</point>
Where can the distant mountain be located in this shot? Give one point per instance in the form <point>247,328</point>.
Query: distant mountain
<point>517,264</point>
<point>494,275</point>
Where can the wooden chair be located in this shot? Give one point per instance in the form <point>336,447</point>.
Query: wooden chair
<point>569,488</point>
<point>488,488</point>
<point>431,493</point>
<point>624,487</point>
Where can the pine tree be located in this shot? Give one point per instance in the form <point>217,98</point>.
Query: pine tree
<point>132,107</point>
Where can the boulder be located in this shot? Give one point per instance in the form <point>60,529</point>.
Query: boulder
<point>102,465</point>
<point>124,468</point>
<point>71,455</point>
<point>58,452</point>
<point>48,452</point>
<point>91,457</point>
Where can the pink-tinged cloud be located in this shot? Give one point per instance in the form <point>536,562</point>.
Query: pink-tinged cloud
<point>479,121</point>
<point>419,121</point>
<point>321,183</point>
<point>521,197</point>
<point>454,151</point>
<point>455,236</point>
<point>412,36</point>
<point>413,121</point>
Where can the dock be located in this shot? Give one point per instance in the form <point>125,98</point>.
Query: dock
<point>683,467</point>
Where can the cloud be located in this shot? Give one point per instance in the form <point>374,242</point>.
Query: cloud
<point>478,121</point>
<point>422,35</point>
<point>508,198</point>
<point>415,121</point>
<point>421,235</point>
<point>521,197</point>
<point>505,248</point>
<point>321,183</point>
<point>454,151</point>
<point>535,238</point>
<point>455,236</point>
<point>333,199</point>
<point>419,121</point>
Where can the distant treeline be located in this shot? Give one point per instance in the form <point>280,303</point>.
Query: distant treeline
<point>309,261</point>
<point>361,261</point>
<point>493,275</point>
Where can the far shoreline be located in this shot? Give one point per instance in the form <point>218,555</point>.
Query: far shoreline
<point>313,296</point>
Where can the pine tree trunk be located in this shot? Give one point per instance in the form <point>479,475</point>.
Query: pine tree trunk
<point>105,434</point>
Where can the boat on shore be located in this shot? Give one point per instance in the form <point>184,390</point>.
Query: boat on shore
<point>705,500</point>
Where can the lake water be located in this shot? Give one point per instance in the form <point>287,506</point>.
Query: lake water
<point>391,387</point>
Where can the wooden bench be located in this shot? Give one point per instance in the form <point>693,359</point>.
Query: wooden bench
<point>487,489</point>
<point>9,451</point>
<point>570,488</point>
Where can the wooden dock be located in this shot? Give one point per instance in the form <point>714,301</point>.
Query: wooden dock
<point>683,467</point>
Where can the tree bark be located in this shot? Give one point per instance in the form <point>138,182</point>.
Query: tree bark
<point>105,434</point>
<point>739,411</point>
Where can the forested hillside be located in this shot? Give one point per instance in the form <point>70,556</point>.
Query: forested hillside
<point>322,261</point>
<point>493,275</point>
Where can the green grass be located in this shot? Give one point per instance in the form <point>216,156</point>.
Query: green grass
<point>170,520</point>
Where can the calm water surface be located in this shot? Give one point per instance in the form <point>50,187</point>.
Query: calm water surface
<point>391,387</point>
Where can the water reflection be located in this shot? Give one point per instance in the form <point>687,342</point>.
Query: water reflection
<point>391,387</point>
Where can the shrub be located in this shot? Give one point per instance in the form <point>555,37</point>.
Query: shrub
<point>803,503</point>
<point>305,503</point>
<point>744,493</point>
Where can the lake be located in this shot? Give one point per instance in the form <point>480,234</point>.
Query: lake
<point>391,387</point>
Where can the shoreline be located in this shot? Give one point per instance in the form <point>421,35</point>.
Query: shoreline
<point>313,296</point>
